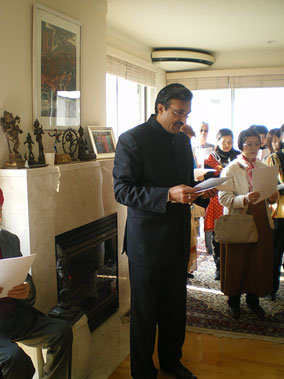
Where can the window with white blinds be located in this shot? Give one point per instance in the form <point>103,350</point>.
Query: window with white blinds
<point>257,81</point>
<point>218,82</point>
<point>222,82</point>
<point>129,71</point>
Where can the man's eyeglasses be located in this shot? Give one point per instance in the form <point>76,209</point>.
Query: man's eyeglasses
<point>251,145</point>
<point>203,130</point>
<point>180,113</point>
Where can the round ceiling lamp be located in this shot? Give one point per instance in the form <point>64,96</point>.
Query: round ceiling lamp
<point>181,59</point>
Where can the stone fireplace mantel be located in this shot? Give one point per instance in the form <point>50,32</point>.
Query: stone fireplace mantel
<point>43,202</point>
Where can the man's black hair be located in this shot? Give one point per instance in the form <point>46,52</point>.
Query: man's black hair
<point>172,91</point>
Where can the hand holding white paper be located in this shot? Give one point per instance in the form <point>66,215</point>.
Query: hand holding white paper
<point>265,181</point>
<point>13,271</point>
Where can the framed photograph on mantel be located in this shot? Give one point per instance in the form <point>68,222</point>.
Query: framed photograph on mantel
<point>56,69</point>
<point>103,141</point>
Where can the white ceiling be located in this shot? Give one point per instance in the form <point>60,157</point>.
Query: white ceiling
<point>238,33</point>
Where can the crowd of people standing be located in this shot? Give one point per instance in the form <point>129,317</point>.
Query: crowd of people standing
<point>251,269</point>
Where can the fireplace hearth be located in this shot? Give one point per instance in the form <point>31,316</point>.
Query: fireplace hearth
<point>87,272</point>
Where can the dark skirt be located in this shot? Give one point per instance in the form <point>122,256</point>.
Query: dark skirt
<point>247,268</point>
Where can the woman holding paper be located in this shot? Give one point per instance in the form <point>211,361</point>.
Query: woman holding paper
<point>246,268</point>
<point>223,154</point>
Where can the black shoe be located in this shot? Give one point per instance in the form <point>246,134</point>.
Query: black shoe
<point>217,275</point>
<point>256,309</point>
<point>235,312</point>
<point>272,296</point>
<point>189,275</point>
<point>181,372</point>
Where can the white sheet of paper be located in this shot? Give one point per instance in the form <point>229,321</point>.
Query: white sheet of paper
<point>201,171</point>
<point>201,154</point>
<point>210,183</point>
<point>13,271</point>
<point>265,181</point>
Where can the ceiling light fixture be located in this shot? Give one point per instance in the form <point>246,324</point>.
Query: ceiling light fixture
<point>181,59</point>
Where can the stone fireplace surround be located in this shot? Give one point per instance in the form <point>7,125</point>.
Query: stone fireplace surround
<point>41,203</point>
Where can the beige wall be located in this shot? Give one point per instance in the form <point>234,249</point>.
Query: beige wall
<point>16,62</point>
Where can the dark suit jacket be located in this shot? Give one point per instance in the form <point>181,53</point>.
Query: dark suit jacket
<point>148,161</point>
<point>10,247</point>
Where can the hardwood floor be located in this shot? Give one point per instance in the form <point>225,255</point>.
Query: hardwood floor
<point>211,357</point>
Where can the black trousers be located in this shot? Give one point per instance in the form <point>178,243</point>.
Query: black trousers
<point>158,298</point>
<point>234,301</point>
<point>278,240</point>
<point>216,251</point>
<point>34,329</point>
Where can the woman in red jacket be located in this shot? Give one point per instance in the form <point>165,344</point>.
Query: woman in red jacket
<point>223,154</point>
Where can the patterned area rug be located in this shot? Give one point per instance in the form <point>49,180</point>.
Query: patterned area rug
<point>207,309</point>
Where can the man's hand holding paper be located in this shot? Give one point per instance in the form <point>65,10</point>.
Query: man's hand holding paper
<point>186,194</point>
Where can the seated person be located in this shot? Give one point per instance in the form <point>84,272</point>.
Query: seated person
<point>20,322</point>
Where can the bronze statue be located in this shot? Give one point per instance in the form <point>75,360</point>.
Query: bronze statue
<point>29,142</point>
<point>84,154</point>
<point>83,146</point>
<point>38,132</point>
<point>57,140</point>
<point>70,137</point>
<point>11,129</point>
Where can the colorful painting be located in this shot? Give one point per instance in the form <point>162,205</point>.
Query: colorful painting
<point>102,140</point>
<point>56,69</point>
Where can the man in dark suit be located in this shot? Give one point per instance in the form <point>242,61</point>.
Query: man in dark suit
<point>153,177</point>
<point>20,322</point>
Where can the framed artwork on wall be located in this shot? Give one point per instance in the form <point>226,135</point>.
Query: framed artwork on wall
<point>103,141</point>
<point>56,69</point>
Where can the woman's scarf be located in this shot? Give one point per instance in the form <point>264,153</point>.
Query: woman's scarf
<point>224,157</point>
<point>249,165</point>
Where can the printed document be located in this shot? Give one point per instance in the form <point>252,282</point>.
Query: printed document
<point>265,181</point>
<point>13,271</point>
<point>210,183</point>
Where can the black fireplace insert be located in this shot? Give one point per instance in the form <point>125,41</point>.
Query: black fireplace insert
<point>87,272</point>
